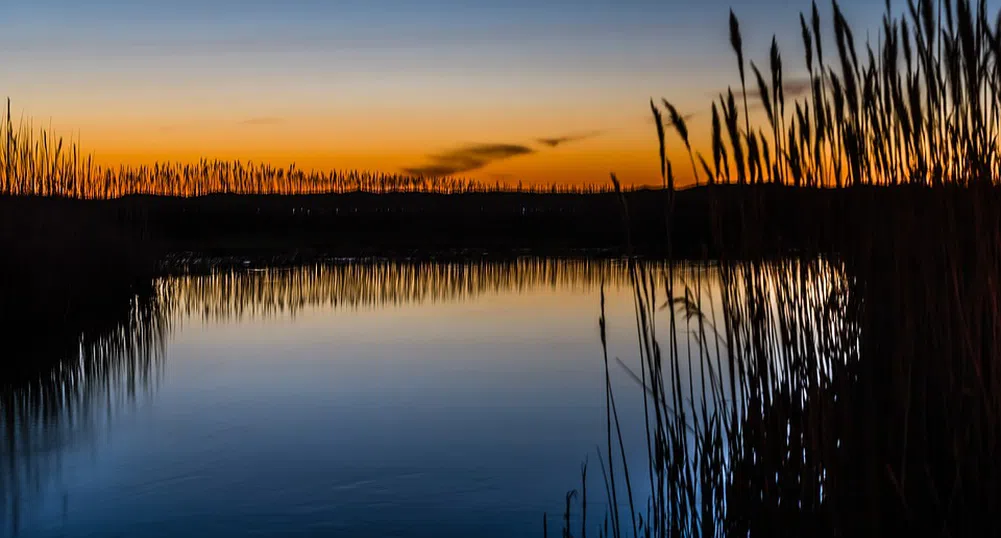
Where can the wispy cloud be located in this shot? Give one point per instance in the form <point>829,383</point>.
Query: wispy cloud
<point>467,158</point>
<point>560,140</point>
<point>667,119</point>
<point>792,89</point>
<point>475,156</point>
<point>263,121</point>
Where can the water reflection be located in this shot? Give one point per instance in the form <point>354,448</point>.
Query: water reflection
<point>439,381</point>
<point>424,399</point>
<point>748,428</point>
<point>63,404</point>
<point>237,294</point>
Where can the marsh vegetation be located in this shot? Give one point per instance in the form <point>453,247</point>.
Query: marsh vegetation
<point>867,404</point>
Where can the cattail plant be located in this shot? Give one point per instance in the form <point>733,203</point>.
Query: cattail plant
<point>919,107</point>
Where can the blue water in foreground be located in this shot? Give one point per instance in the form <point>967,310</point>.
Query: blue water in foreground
<point>457,401</point>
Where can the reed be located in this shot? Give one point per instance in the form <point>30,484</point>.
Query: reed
<point>851,389</point>
<point>930,119</point>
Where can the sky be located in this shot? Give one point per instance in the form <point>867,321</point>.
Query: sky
<point>497,90</point>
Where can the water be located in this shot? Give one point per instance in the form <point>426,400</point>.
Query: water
<point>360,399</point>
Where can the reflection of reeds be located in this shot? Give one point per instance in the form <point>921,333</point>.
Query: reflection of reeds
<point>33,161</point>
<point>64,403</point>
<point>746,338</point>
<point>238,293</point>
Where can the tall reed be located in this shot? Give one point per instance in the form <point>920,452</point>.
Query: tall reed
<point>854,390</point>
<point>918,107</point>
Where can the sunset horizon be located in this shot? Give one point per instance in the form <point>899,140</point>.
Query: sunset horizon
<point>500,268</point>
<point>445,89</point>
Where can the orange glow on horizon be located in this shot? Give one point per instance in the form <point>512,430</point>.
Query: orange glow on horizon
<point>630,153</point>
<point>604,139</point>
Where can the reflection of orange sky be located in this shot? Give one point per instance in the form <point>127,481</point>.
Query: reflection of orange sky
<point>534,314</point>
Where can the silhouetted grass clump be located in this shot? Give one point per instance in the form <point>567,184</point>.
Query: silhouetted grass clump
<point>62,266</point>
<point>918,107</point>
<point>849,391</point>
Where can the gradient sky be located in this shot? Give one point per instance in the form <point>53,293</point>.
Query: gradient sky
<point>387,85</point>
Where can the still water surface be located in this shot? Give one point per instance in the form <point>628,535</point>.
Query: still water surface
<point>356,399</point>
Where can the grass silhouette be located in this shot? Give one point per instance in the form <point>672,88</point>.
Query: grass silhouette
<point>36,162</point>
<point>848,387</point>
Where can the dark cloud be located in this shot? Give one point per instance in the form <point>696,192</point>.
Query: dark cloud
<point>667,119</point>
<point>476,156</point>
<point>467,158</point>
<point>263,121</point>
<point>792,89</point>
<point>560,140</point>
<point>798,87</point>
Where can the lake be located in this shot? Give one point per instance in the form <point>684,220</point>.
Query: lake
<point>358,398</point>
